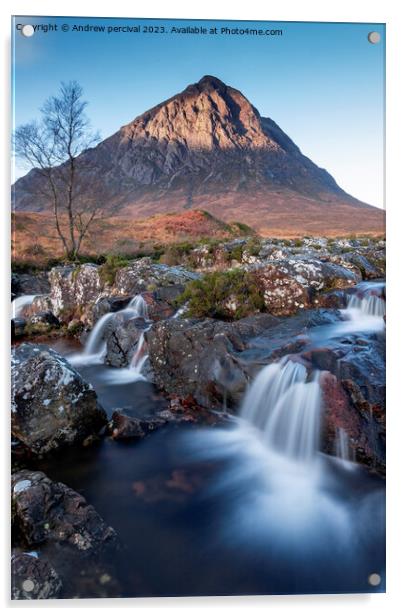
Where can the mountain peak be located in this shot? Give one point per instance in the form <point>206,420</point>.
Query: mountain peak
<point>211,82</point>
<point>208,145</point>
<point>207,115</point>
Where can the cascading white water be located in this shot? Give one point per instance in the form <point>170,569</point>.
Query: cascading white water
<point>180,311</point>
<point>19,303</point>
<point>95,343</point>
<point>140,356</point>
<point>138,307</point>
<point>95,346</point>
<point>343,450</point>
<point>284,403</point>
<point>369,304</point>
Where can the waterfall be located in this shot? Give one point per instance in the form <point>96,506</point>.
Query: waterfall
<point>132,373</point>
<point>369,305</point>
<point>284,404</point>
<point>138,307</point>
<point>19,303</point>
<point>95,344</point>
<point>180,311</point>
<point>140,356</point>
<point>343,450</point>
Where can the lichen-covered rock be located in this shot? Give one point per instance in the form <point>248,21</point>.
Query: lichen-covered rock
<point>295,283</point>
<point>83,293</point>
<point>40,303</point>
<point>47,511</point>
<point>368,267</point>
<point>144,275</point>
<point>52,405</point>
<point>66,532</point>
<point>283,294</point>
<point>74,290</point>
<point>33,577</point>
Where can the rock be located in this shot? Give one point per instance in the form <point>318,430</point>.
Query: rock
<point>42,323</point>
<point>40,303</point>
<point>112,303</point>
<point>30,284</point>
<point>47,511</point>
<point>294,283</point>
<point>144,275</point>
<point>74,290</point>
<point>368,268</point>
<point>33,578</point>
<point>161,302</point>
<point>354,396</point>
<point>18,328</point>
<point>123,427</point>
<point>213,361</point>
<point>283,294</point>
<point>121,336</point>
<point>81,292</point>
<point>180,411</point>
<point>333,299</point>
<point>68,533</point>
<point>52,405</point>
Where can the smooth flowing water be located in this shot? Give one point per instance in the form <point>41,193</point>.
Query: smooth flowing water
<point>19,303</point>
<point>95,346</point>
<point>250,508</point>
<point>284,403</point>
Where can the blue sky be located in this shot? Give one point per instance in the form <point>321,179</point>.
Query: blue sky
<point>322,83</point>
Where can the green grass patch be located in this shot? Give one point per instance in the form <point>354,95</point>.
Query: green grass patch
<point>108,270</point>
<point>223,295</point>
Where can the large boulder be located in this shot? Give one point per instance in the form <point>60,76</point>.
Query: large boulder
<point>66,533</point>
<point>144,275</point>
<point>295,283</point>
<point>369,267</point>
<point>353,386</point>
<point>84,293</point>
<point>52,406</point>
<point>214,360</point>
<point>74,290</point>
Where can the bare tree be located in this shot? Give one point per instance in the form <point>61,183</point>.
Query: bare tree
<point>52,146</point>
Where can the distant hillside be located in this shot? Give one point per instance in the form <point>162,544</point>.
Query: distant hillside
<point>34,237</point>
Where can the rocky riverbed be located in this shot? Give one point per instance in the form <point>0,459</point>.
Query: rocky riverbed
<point>149,396</point>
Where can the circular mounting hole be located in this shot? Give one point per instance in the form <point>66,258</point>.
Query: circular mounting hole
<point>27,30</point>
<point>374,579</point>
<point>374,37</point>
<point>28,585</point>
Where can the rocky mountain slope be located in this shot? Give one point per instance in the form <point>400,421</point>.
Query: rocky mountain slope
<point>209,148</point>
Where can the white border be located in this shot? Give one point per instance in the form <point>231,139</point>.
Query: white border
<point>291,10</point>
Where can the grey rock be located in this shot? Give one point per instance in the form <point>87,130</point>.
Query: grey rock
<point>52,406</point>
<point>67,533</point>
<point>30,284</point>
